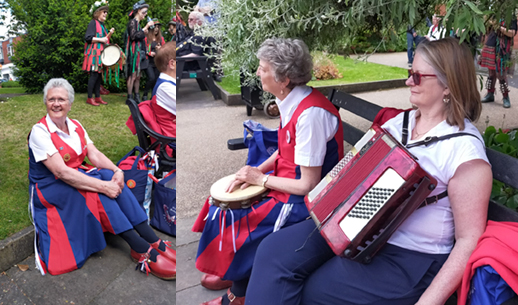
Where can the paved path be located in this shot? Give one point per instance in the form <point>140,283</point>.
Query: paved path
<point>203,129</point>
<point>107,278</point>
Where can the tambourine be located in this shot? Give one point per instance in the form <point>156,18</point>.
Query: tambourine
<point>111,55</point>
<point>238,199</point>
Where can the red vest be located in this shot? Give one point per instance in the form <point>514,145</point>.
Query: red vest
<point>285,162</point>
<point>69,155</point>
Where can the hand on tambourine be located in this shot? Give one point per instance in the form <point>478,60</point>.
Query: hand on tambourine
<point>246,176</point>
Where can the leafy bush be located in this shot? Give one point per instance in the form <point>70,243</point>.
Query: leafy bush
<point>504,141</point>
<point>10,84</point>
<point>52,32</point>
<point>324,67</point>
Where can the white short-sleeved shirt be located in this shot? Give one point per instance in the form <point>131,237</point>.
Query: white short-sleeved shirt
<point>436,33</point>
<point>166,94</point>
<point>315,127</point>
<point>41,144</point>
<point>431,229</point>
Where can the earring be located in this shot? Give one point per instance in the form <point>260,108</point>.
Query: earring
<point>282,91</point>
<point>446,100</point>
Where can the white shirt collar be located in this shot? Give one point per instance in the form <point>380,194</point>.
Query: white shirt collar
<point>167,77</point>
<point>289,104</point>
<point>53,128</point>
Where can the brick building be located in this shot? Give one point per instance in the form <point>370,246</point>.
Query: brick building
<point>6,51</point>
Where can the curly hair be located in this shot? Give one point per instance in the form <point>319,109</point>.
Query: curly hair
<point>289,59</point>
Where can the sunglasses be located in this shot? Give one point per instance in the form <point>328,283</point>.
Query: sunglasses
<point>416,76</point>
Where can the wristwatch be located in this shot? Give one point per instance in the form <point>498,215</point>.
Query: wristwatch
<point>265,178</point>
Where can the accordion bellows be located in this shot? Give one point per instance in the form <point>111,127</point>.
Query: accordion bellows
<point>367,195</point>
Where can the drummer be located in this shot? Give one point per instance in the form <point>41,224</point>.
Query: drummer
<point>310,144</point>
<point>172,29</point>
<point>96,38</point>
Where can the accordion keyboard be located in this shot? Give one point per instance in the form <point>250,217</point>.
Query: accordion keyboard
<point>375,198</point>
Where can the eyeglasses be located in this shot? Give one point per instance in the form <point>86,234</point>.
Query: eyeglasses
<point>58,100</point>
<point>416,76</point>
<point>144,12</point>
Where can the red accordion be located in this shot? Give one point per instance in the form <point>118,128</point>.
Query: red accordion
<point>367,195</point>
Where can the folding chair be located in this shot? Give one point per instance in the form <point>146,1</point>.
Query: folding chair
<point>149,140</point>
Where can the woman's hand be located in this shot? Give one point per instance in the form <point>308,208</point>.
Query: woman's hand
<point>246,176</point>
<point>112,30</point>
<point>111,189</point>
<point>152,54</point>
<point>118,177</point>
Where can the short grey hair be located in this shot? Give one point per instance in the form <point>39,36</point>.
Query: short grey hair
<point>197,15</point>
<point>289,58</point>
<point>59,83</point>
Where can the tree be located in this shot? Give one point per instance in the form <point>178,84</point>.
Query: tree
<point>52,43</point>
<point>329,24</point>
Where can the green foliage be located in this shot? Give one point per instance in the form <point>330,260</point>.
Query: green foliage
<point>10,84</point>
<point>334,25</point>
<point>504,141</point>
<point>53,43</point>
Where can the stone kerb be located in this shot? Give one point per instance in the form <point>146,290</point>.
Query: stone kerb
<point>16,248</point>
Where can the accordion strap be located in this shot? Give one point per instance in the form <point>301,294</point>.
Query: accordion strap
<point>433,199</point>
<point>428,140</point>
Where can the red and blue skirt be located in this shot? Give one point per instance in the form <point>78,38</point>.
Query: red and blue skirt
<point>70,223</point>
<point>230,237</point>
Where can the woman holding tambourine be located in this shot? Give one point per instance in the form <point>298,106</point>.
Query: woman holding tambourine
<point>136,48</point>
<point>96,38</point>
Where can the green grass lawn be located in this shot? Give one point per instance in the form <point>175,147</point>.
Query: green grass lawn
<point>105,126</point>
<point>12,90</point>
<point>353,71</point>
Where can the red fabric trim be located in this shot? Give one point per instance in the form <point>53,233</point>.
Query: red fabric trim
<point>386,114</point>
<point>61,258</point>
<point>225,257</point>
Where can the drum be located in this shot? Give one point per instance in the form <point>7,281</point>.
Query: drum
<point>238,199</point>
<point>111,55</point>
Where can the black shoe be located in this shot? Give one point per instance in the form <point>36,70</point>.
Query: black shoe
<point>217,78</point>
<point>490,97</point>
<point>144,97</point>
<point>507,102</point>
<point>137,97</point>
<point>130,96</point>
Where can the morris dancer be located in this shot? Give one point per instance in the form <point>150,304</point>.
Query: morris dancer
<point>136,48</point>
<point>496,56</point>
<point>74,204</point>
<point>310,144</point>
<point>96,38</point>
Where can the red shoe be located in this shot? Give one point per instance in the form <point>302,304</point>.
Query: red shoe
<point>162,268</point>
<point>99,100</point>
<point>214,282</point>
<point>104,91</point>
<point>91,102</point>
<point>233,300</point>
<point>169,252</point>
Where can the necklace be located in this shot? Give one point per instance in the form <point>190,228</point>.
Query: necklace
<point>417,134</point>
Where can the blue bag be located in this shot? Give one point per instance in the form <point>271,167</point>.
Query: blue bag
<point>164,197</point>
<point>262,143</point>
<point>135,173</point>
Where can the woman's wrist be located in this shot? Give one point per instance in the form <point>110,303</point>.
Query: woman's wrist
<point>117,170</point>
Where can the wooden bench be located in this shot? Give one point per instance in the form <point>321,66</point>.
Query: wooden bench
<point>504,167</point>
<point>203,75</point>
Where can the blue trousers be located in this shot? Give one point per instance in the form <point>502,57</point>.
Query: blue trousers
<point>292,268</point>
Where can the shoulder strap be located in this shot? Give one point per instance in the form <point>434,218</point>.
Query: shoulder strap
<point>404,132</point>
<point>429,140</point>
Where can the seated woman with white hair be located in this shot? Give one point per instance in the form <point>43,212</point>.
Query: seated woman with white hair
<point>74,203</point>
<point>310,144</point>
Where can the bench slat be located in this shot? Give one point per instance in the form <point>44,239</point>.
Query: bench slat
<point>362,108</point>
<point>505,167</point>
